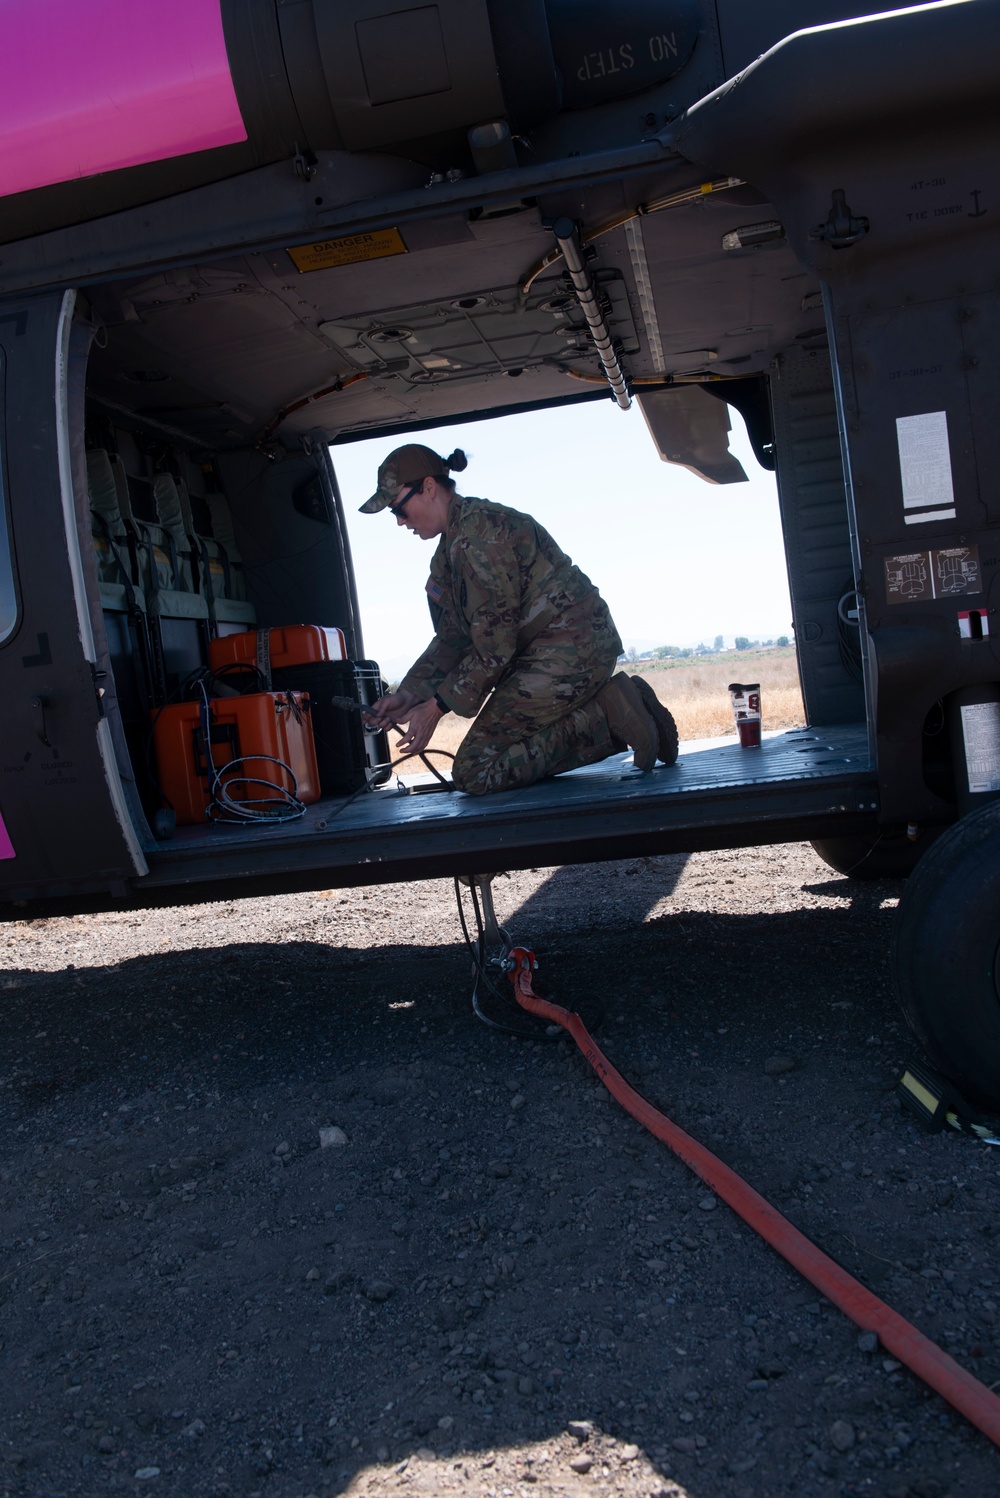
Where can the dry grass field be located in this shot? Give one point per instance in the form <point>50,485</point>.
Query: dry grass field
<point>696,691</point>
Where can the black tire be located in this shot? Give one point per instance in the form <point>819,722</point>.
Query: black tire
<point>889,856</point>
<point>945,954</point>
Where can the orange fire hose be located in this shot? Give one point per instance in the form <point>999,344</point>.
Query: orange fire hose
<point>922,1356</point>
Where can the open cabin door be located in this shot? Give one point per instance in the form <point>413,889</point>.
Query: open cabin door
<point>66,823</point>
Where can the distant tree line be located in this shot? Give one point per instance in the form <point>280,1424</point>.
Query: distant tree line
<point>678,652</point>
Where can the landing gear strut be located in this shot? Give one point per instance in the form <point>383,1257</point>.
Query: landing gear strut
<point>492,1000</point>
<point>493,955</point>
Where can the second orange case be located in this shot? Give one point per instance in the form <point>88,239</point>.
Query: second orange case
<point>286,645</point>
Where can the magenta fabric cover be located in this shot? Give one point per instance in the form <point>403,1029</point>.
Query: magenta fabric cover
<point>89,86</point>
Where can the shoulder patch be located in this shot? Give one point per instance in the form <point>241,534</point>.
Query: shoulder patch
<point>434,590</point>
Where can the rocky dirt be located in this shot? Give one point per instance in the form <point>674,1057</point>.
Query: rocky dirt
<point>489,1280</point>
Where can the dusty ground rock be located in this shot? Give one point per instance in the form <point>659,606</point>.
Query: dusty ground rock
<point>841,1435</point>
<point>557,1290</point>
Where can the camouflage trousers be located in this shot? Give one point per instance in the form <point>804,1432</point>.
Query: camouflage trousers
<point>542,717</point>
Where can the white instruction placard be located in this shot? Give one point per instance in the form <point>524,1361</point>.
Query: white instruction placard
<point>925,466</point>
<point>981,732</point>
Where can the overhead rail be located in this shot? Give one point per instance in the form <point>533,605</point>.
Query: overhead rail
<point>573,254</point>
<point>655,205</point>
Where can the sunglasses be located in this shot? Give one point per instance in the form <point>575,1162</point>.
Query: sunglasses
<point>399,508</point>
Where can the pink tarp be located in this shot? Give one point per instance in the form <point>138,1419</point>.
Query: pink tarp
<point>89,86</point>
<point>6,846</point>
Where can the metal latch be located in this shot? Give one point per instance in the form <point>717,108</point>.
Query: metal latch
<point>38,706</point>
<point>842,228</point>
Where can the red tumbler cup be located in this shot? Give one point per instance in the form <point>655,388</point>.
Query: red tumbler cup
<point>746,711</point>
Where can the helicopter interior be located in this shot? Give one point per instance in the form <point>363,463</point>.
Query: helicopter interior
<point>215,392</point>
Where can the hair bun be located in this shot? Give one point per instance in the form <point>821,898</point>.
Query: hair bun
<point>458,462</point>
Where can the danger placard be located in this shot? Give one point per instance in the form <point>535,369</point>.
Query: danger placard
<point>349,250</point>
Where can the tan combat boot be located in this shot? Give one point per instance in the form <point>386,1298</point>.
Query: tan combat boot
<point>628,719</point>
<point>666,728</point>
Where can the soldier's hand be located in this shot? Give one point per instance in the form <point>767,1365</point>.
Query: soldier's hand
<point>392,708</point>
<point>421,723</point>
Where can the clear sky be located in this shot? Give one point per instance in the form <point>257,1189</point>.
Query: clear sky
<point>678,560</point>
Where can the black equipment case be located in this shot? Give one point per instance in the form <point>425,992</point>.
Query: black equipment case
<point>347,756</point>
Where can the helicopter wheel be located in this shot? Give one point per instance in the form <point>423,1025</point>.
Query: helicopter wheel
<point>946,954</point>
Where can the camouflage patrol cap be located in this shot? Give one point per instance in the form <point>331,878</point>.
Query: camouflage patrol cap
<point>404,465</point>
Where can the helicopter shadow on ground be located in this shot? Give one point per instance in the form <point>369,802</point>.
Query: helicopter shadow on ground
<point>571,908</point>
<point>590,896</point>
<point>494,1251</point>
<point>589,887</point>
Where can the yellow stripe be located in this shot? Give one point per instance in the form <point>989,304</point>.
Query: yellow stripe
<point>920,1092</point>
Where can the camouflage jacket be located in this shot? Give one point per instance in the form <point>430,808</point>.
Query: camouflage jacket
<point>498,583</point>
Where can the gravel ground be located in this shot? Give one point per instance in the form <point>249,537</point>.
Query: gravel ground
<point>495,1282</point>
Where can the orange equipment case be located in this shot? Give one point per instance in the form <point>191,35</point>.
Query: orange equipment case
<point>284,645</point>
<point>278,724</point>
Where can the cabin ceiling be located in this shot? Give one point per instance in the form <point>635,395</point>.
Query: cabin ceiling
<point>439,329</point>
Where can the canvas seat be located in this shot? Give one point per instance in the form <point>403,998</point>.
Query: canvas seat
<point>173,566</point>
<point>116,542</point>
<point>224,567</point>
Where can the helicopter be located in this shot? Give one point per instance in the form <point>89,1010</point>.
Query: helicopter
<point>235,236</point>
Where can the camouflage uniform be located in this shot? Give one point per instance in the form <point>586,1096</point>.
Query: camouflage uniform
<point>514,617</point>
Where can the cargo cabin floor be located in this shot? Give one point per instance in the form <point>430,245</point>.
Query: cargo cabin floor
<point>806,783</point>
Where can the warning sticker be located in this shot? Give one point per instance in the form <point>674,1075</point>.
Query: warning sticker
<point>908,578</point>
<point>349,250</point>
<point>956,570</point>
<point>981,732</point>
<point>925,467</point>
<point>945,573</point>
